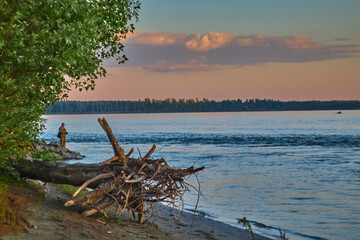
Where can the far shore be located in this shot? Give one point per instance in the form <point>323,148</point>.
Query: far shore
<point>252,111</point>
<point>196,105</point>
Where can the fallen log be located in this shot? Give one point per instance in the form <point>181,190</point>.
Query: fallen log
<point>58,172</point>
<point>121,180</point>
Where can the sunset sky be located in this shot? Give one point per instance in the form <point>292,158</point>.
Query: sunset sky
<point>278,49</point>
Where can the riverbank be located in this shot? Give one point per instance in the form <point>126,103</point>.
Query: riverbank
<point>50,219</point>
<point>196,105</point>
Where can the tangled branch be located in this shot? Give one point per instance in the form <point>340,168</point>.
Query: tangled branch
<point>129,182</point>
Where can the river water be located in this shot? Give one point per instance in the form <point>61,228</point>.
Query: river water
<point>298,171</point>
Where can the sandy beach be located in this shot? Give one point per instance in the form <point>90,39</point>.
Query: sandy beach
<point>52,220</point>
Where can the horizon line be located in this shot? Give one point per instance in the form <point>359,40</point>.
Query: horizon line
<point>208,99</point>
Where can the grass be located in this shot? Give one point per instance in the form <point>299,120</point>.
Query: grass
<point>3,204</point>
<point>246,224</point>
<point>283,235</point>
<point>69,189</point>
<point>3,187</point>
<point>56,216</point>
<point>37,188</point>
<point>7,215</point>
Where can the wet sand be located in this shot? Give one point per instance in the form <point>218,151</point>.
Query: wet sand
<point>52,220</point>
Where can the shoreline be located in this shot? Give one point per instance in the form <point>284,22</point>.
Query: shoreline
<point>53,220</point>
<point>216,228</point>
<point>196,105</point>
<point>165,112</point>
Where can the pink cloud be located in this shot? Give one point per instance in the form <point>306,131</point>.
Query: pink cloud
<point>159,66</point>
<point>213,40</point>
<point>299,42</point>
<point>156,38</point>
<point>166,51</point>
<point>191,65</point>
<point>256,40</point>
<point>197,42</point>
<point>206,42</point>
<point>295,42</point>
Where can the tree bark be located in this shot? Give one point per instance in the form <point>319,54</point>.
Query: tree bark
<point>60,172</point>
<point>77,174</point>
<point>118,151</point>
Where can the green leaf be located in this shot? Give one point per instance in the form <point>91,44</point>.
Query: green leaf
<point>41,41</point>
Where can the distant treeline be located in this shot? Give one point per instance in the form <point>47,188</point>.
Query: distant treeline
<point>194,105</point>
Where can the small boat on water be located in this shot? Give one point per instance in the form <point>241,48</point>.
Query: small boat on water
<point>339,112</point>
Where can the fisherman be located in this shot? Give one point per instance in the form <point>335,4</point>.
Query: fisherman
<point>62,135</point>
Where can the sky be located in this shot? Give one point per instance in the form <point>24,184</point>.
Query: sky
<point>238,49</point>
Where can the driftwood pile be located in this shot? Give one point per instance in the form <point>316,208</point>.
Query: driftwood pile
<point>129,182</point>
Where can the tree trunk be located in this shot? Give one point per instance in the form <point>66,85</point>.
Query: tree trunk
<point>60,172</point>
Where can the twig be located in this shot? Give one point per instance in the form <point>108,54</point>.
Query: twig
<point>102,176</point>
<point>197,201</point>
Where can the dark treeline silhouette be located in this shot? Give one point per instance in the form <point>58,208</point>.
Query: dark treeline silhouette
<point>195,105</point>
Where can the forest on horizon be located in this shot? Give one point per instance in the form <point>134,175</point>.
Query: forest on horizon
<point>195,105</point>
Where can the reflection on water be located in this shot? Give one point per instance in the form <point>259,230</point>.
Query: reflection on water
<point>298,171</point>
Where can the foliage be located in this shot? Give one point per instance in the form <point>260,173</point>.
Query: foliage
<point>8,172</point>
<point>48,47</point>
<point>196,105</point>
<point>46,155</point>
<point>69,189</point>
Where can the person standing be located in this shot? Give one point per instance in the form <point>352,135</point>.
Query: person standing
<point>62,135</point>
